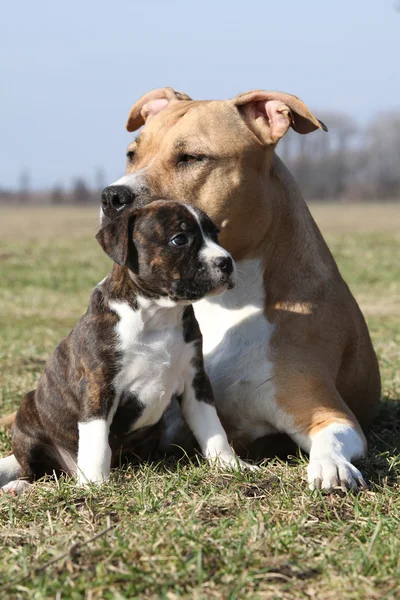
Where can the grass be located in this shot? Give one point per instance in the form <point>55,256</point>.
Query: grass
<point>176,529</point>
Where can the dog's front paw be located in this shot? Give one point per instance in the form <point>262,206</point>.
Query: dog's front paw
<point>245,465</point>
<point>327,474</point>
<point>87,478</point>
<point>231,462</point>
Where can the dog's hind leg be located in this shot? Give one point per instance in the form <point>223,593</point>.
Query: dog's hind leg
<point>10,469</point>
<point>175,435</point>
<point>8,420</point>
<point>16,487</point>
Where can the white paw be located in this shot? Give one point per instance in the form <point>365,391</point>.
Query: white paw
<point>232,462</point>
<point>16,487</point>
<point>328,473</point>
<point>86,479</point>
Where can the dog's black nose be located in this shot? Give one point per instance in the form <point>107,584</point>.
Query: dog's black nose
<point>116,197</point>
<point>224,264</point>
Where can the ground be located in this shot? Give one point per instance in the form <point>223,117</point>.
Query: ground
<point>176,529</point>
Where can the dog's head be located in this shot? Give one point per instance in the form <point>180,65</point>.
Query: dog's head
<point>217,153</point>
<point>171,250</point>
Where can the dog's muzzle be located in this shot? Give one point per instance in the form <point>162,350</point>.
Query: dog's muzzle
<point>115,198</point>
<point>224,264</point>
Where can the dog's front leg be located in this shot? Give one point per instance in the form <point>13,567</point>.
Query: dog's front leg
<point>199,412</point>
<point>94,452</point>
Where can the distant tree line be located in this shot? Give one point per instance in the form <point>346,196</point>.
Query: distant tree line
<point>349,162</point>
<point>80,191</point>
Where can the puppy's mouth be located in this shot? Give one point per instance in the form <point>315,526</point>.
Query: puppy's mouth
<point>191,296</point>
<point>221,288</point>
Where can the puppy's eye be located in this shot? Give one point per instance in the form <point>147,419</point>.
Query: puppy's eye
<point>214,236</point>
<point>189,159</point>
<point>130,155</point>
<point>214,233</point>
<point>181,239</point>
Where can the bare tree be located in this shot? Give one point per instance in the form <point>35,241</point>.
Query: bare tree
<point>57,195</point>
<point>382,160</point>
<point>100,179</point>
<point>321,162</point>
<point>350,161</point>
<point>80,191</point>
<point>24,186</point>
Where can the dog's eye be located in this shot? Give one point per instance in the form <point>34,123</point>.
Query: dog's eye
<point>130,155</point>
<point>214,231</point>
<point>214,236</point>
<point>189,159</point>
<point>181,239</point>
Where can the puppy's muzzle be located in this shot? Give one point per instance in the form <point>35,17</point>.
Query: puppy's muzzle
<point>224,272</point>
<point>224,264</point>
<point>115,198</point>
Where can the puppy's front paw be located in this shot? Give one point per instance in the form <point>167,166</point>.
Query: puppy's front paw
<point>245,465</point>
<point>16,487</point>
<point>327,474</point>
<point>232,462</point>
<point>87,478</point>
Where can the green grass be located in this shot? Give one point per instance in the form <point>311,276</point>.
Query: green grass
<point>177,529</point>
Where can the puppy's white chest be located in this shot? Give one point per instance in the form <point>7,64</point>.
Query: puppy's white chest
<point>154,361</point>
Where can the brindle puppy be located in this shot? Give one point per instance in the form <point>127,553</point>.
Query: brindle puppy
<point>137,345</point>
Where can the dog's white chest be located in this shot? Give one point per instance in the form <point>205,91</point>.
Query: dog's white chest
<point>236,338</point>
<point>155,359</point>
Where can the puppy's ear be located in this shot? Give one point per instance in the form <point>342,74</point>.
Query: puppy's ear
<point>116,239</point>
<point>151,104</point>
<point>270,114</point>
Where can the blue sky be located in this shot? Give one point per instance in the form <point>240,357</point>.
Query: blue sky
<point>70,71</point>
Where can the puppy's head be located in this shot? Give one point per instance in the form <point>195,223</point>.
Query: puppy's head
<point>171,250</point>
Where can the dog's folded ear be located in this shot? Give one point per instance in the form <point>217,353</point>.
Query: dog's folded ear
<point>270,114</point>
<point>151,104</point>
<point>116,239</point>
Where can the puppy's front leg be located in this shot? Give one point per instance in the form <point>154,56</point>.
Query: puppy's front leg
<point>197,403</point>
<point>94,452</point>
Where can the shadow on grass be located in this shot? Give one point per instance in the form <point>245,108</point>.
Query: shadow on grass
<point>382,466</point>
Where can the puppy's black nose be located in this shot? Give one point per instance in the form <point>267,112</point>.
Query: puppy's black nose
<point>115,197</point>
<point>224,264</point>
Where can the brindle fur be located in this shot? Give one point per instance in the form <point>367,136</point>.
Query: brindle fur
<point>77,382</point>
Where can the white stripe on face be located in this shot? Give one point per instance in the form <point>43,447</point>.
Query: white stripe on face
<point>131,180</point>
<point>210,250</point>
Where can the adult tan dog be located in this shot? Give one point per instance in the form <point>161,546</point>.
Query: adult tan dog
<point>288,350</point>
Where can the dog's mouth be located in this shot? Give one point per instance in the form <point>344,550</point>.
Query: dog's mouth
<point>220,289</point>
<point>190,296</point>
